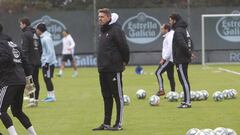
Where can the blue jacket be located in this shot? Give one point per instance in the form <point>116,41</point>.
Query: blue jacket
<point>48,52</point>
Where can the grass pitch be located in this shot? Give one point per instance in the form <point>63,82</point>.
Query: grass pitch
<point>79,105</point>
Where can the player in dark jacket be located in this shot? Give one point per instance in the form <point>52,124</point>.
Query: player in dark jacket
<point>31,49</point>
<point>181,55</point>
<point>112,57</point>
<point>13,68</point>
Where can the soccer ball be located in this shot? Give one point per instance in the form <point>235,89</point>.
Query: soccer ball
<point>205,94</point>
<point>208,131</point>
<point>199,96</point>
<point>234,92</point>
<point>172,96</point>
<point>193,131</point>
<point>126,99</point>
<point>141,94</point>
<point>217,96</point>
<point>231,131</point>
<point>181,95</point>
<point>193,95</point>
<point>226,94</point>
<point>154,100</point>
<point>220,131</point>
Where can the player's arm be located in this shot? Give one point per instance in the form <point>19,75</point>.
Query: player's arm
<point>5,56</point>
<point>25,45</point>
<point>72,42</point>
<point>30,87</point>
<point>122,45</point>
<point>47,48</point>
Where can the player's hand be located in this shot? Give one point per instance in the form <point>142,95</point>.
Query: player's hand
<point>69,50</point>
<point>30,87</point>
<point>124,65</point>
<point>162,61</point>
<point>193,56</point>
<point>46,65</point>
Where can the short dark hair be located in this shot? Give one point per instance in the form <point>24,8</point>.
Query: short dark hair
<point>42,27</point>
<point>1,28</point>
<point>175,16</point>
<point>166,26</point>
<point>25,21</point>
<point>105,11</point>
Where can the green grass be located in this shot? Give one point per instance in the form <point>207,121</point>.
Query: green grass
<point>79,106</point>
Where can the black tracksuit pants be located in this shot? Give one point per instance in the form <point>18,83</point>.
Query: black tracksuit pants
<point>169,67</point>
<point>111,87</point>
<point>182,70</point>
<point>35,75</point>
<point>13,96</point>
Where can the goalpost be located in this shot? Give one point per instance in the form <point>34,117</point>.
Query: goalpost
<point>223,38</point>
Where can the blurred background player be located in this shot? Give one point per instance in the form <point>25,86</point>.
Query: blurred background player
<point>166,62</point>
<point>181,55</point>
<point>68,53</point>
<point>13,68</point>
<point>31,49</point>
<point>48,60</point>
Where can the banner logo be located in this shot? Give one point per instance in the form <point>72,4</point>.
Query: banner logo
<point>142,29</point>
<point>228,28</point>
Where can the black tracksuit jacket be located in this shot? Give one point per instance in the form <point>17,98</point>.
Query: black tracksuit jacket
<point>31,46</point>
<point>181,51</point>
<point>13,64</point>
<point>113,49</point>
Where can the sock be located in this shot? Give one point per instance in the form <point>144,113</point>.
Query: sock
<point>12,130</point>
<point>52,94</point>
<point>49,94</point>
<point>31,131</point>
<point>60,72</point>
<point>31,100</point>
<point>75,73</point>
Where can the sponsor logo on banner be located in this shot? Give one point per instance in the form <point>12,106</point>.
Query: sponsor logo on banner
<point>54,26</point>
<point>142,29</point>
<point>228,28</point>
<point>234,56</point>
<point>81,61</point>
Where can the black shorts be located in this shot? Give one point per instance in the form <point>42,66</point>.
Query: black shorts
<point>11,96</point>
<point>67,57</point>
<point>48,71</point>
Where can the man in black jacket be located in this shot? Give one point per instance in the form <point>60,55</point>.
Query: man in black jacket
<point>13,68</point>
<point>181,55</point>
<point>31,49</point>
<point>112,57</point>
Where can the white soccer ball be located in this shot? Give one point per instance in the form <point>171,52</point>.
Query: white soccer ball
<point>217,96</point>
<point>154,100</point>
<point>220,131</point>
<point>126,99</point>
<point>226,94</point>
<point>193,95</point>
<point>193,131</point>
<point>199,96</point>
<point>172,96</point>
<point>181,95</point>
<point>234,92</point>
<point>208,131</point>
<point>205,94</point>
<point>231,131</point>
<point>141,94</point>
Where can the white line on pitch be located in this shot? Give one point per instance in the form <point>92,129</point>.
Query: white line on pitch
<point>229,71</point>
